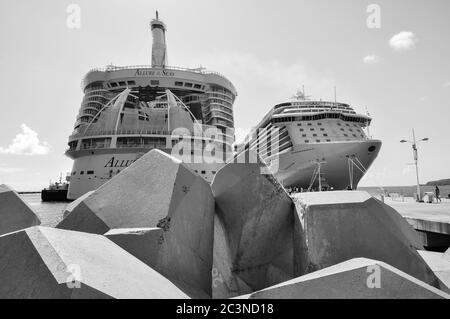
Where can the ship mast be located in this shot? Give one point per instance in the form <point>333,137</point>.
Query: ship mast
<point>300,95</point>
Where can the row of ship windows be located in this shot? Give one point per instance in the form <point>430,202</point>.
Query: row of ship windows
<point>221,102</point>
<point>82,173</point>
<point>220,95</point>
<point>92,172</point>
<point>322,129</point>
<point>308,110</point>
<point>95,98</point>
<point>155,82</point>
<point>325,135</point>
<point>328,115</point>
<point>189,85</point>
<point>318,141</point>
<point>121,83</point>
<point>219,113</point>
<point>319,123</point>
<point>224,93</point>
<point>220,122</point>
<point>217,107</point>
<point>204,172</point>
<point>220,90</point>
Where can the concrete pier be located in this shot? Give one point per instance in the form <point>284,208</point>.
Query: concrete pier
<point>431,220</point>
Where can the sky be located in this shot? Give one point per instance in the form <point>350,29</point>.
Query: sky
<point>390,58</point>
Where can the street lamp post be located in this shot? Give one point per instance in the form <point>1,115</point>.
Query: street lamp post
<point>414,147</point>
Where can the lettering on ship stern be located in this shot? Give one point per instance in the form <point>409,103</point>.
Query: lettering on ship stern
<point>119,163</point>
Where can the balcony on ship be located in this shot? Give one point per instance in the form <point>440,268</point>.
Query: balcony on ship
<point>141,142</point>
<point>95,143</point>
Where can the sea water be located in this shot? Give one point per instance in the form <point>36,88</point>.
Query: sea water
<point>50,213</point>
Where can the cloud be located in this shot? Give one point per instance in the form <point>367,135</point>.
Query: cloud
<point>26,143</point>
<point>10,170</point>
<point>371,59</point>
<point>403,41</point>
<point>446,84</point>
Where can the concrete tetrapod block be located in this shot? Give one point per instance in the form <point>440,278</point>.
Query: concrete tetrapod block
<point>253,231</point>
<point>157,190</point>
<point>439,265</point>
<point>142,243</point>
<point>15,214</point>
<point>358,278</point>
<point>447,254</point>
<point>342,225</point>
<point>42,262</point>
<point>71,206</point>
<point>145,244</point>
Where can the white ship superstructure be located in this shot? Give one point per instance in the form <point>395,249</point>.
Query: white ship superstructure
<point>127,111</point>
<point>311,144</point>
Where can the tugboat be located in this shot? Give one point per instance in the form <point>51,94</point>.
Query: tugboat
<point>56,192</point>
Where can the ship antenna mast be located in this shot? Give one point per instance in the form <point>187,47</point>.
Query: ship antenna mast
<point>300,95</point>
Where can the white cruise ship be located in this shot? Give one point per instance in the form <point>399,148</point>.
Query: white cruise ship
<point>314,145</point>
<point>126,111</point>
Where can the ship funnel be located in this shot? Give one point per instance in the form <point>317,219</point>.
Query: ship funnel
<point>159,50</point>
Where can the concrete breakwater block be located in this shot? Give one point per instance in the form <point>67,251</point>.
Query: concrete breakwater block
<point>15,214</point>
<point>42,262</point>
<point>145,244</point>
<point>157,191</point>
<point>142,243</point>
<point>447,254</point>
<point>358,278</point>
<point>342,225</point>
<point>253,231</point>
<point>70,207</point>
<point>440,265</point>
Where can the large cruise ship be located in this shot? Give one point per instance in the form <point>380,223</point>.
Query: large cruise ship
<point>314,145</point>
<point>126,111</point>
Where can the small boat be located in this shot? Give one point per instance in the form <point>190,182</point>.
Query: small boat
<point>55,192</point>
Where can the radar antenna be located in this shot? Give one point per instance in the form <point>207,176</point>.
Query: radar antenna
<point>300,95</point>
<point>199,69</point>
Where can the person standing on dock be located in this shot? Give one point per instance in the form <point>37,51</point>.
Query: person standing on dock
<point>437,193</point>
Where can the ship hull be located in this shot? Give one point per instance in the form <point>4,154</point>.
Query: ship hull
<point>54,195</point>
<point>296,167</point>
